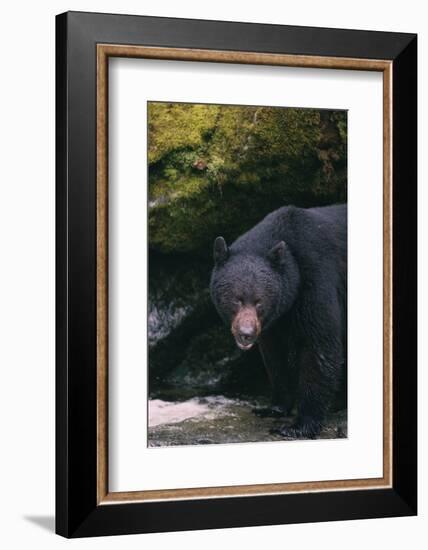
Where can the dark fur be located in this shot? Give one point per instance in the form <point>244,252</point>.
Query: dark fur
<point>301,287</point>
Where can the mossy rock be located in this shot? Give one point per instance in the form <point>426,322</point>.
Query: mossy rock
<point>220,169</point>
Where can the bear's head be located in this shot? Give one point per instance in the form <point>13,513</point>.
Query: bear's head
<point>252,290</point>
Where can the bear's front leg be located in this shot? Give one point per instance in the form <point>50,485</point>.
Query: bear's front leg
<point>280,366</point>
<point>317,384</point>
<point>320,361</point>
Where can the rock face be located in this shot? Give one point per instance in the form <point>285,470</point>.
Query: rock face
<point>218,170</point>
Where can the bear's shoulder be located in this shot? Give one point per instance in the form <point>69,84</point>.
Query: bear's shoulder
<point>305,230</point>
<point>268,232</point>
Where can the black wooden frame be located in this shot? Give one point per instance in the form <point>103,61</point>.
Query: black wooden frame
<point>77,512</point>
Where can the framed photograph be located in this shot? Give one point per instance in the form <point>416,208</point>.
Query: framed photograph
<point>236,274</point>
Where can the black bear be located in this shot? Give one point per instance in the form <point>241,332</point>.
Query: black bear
<point>283,284</point>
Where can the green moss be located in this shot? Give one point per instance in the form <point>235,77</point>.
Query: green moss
<point>177,126</point>
<point>219,169</point>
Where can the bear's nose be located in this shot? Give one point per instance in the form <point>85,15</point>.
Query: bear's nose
<point>247,333</point>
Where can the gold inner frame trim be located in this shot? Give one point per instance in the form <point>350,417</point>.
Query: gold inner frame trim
<point>104,51</point>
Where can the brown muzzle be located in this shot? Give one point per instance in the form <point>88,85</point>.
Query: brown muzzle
<point>246,327</point>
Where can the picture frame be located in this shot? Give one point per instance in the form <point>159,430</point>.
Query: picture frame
<point>84,44</point>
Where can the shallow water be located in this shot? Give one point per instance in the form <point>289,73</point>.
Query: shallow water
<point>218,419</point>
<point>167,412</point>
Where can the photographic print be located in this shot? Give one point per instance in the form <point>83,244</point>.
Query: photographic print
<point>247,260</point>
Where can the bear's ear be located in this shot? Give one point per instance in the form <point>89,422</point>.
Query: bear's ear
<point>277,254</point>
<point>221,252</point>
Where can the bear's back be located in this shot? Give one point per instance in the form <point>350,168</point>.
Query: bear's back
<point>309,232</point>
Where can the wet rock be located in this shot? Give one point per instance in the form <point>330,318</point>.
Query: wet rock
<point>177,288</point>
<point>217,419</point>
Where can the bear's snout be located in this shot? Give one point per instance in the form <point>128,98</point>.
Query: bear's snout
<point>246,327</point>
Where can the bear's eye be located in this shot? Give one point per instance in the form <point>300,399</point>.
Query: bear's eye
<point>258,305</point>
<point>238,302</point>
